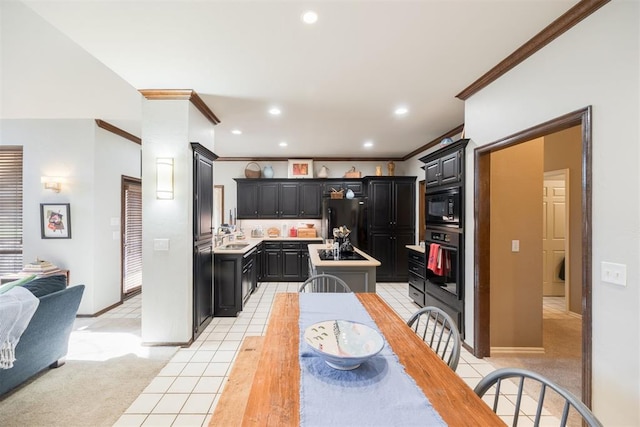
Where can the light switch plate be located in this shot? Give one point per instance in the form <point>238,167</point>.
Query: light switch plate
<point>160,244</point>
<point>515,246</point>
<point>611,272</point>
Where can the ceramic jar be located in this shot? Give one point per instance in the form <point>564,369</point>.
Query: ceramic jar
<point>267,172</point>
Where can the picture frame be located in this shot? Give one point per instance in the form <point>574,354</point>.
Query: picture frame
<point>55,220</point>
<point>300,168</point>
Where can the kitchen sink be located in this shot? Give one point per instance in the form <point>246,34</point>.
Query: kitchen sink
<point>232,246</point>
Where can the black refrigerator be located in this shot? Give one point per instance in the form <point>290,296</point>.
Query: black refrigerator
<point>351,213</point>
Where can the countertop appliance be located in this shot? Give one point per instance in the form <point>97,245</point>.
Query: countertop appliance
<point>351,213</point>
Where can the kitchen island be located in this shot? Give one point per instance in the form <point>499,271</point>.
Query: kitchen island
<point>359,274</point>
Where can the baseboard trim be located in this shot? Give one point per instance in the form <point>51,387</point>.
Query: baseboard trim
<point>496,351</point>
<point>168,344</point>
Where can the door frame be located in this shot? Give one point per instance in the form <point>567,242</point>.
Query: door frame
<point>482,233</point>
<point>567,246</point>
<point>124,180</point>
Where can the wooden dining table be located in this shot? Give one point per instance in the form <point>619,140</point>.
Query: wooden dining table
<point>264,385</point>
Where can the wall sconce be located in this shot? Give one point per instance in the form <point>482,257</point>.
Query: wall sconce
<point>53,183</point>
<point>164,178</point>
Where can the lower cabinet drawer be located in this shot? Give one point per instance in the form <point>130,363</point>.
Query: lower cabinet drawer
<point>416,295</point>
<point>416,269</point>
<point>417,257</point>
<point>416,281</point>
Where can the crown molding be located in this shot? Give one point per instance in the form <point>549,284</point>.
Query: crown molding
<point>116,130</point>
<point>453,132</point>
<point>181,94</point>
<point>565,22</point>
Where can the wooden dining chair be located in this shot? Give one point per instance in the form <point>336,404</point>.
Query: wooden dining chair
<point>324,283</point>
<point>437,329</point>
<point>491,385</point>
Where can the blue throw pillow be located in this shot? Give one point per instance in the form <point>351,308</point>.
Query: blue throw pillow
<point>47,285</point>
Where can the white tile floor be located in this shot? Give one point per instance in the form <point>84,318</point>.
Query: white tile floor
<point>186,391</point>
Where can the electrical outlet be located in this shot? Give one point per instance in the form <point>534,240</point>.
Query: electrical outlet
<point>613,273</point>
<point>515,246</point>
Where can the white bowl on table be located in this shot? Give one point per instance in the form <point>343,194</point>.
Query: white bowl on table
<point>343,344</point>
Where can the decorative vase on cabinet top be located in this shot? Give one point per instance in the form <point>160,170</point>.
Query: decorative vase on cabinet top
<point>324,172</point>
<point>268,172</point>
<point>349,194</point>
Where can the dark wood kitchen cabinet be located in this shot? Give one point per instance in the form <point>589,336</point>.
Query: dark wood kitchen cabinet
<point>355,185</point>
<point>202,237</point>
<point>417,274</point>
<point>235,278</point>
<point>286,261</point>
<point>446,166</point>
<point>247,199</point>
<point>391,214</point>
<point>300,200</point>
<point>272,199</point>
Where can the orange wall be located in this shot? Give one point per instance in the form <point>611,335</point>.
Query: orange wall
<point>516,277</point>
<point>563,150</point>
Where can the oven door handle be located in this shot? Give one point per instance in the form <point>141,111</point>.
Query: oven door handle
<point>450,248</point>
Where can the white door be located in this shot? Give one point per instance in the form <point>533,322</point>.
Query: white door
<point>554,234</point>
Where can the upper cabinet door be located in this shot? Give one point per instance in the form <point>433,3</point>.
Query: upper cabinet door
<point>450,168</point>
<point>380,206</point>
<point>432,173</point>
<point>247,200</point>
<point>203,197</point>
<point>288,200</point>
<point>268,200</point>
<point>404,203</point>
<point>310,200</point>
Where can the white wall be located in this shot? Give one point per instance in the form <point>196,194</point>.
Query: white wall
<point>92,162</point>
<point>167,301</point>
<point>46,75</point>
<point>595,63</point>
<point>114,157</point>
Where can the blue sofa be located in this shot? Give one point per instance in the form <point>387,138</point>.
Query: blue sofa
<point>45,342</point>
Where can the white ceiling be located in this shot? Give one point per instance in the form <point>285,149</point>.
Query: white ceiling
<point>336,82</point>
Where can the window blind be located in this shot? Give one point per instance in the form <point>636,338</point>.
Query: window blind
<point>132,262</point>
<point>10,209</point>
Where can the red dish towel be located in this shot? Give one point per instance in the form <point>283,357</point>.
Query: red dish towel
<point>434,258</point>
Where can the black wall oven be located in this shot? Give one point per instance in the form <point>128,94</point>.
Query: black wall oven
<point>444,281</point>
<point>444,208</point>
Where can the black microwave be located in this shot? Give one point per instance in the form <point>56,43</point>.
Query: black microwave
<point>443,208</point>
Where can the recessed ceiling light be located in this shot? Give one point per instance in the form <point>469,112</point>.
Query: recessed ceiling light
<point>309,17</point>
<point>401,111</point>
<point>236,132</point>
<point>282,144</point>
<point>274,111</point>
<point>368,144</point>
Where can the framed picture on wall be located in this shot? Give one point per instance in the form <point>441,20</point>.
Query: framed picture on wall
<point>300,168</point>
<point>55,219</point>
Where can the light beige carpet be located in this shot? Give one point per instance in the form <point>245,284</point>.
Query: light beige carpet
<point>80,393</point>
<point>561,362</point>
<point>84,391</point>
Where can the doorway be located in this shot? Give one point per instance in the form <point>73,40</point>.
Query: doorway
<point>555,236</point>
<point>131,241</point>
<point>483,234</point>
